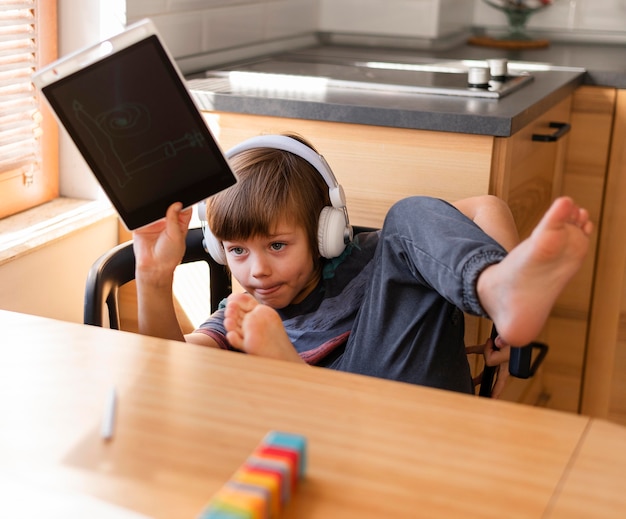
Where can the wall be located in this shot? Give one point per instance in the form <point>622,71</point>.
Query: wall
<point>229,29</point>
<point>427,19</point>
<point>393,17</point>
<point>82,23</point>
<point>50,281</point>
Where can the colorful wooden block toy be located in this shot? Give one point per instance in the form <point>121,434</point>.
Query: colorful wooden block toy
<point>264,483</point>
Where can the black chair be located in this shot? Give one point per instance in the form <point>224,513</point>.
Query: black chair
<point>117,267</point>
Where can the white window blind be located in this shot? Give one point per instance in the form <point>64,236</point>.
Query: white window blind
<point>19,115</point>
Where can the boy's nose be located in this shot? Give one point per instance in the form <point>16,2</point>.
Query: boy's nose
<point>260,267</point>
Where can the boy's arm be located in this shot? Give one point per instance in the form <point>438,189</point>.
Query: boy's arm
<point>159,249</point>
<point>156,315</point>
<point>493,216</point>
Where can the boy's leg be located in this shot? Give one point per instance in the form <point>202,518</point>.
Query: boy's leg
<point>519,292</point>
<point>409,327</point>
<point>257,329</point>
<point>419,341</point>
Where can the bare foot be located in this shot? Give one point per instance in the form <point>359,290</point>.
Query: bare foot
<point>519,292</point>
<point>257,329</point>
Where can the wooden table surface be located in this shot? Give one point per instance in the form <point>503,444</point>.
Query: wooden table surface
<point>188,416</point>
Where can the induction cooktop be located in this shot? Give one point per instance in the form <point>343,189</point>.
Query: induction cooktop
<point>454,77</point>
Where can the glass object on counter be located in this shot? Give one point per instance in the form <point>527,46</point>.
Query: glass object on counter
<point>517,12</point>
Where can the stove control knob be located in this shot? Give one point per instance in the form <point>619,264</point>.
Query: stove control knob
<point>499,69</point>
<point>478,77</point>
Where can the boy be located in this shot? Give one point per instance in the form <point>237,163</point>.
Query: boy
<point>391,305</point>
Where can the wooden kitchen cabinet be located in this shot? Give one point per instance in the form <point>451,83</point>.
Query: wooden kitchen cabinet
<point>583,172</point>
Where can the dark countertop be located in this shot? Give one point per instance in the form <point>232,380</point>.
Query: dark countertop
<point>576,64</point>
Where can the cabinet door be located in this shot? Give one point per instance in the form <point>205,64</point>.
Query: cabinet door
<point>584,179</point>
<point>528,174</point>
<point>604,392</point>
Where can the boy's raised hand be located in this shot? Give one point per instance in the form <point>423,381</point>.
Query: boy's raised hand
<point>160,246</point>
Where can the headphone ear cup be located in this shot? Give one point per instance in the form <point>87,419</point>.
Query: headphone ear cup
<point>331,232</point>
<point>213,246</point>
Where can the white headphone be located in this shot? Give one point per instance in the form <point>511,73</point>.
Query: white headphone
<point>334,231</point>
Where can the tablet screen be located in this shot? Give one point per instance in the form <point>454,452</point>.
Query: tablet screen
<point>135,123</point>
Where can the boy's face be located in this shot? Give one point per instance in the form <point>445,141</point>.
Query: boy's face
<point>276,270</point>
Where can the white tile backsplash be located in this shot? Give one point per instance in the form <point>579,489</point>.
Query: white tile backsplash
<point>454,16</point>
<point>291,17</point>
<point>233,26</point>
<point>601,15</point>
<point>136,9</point>
<point>413,18</point>
<point>196,5</point>
<point>192,27</point>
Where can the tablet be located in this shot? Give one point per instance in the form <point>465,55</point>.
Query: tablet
<point>125,105</point>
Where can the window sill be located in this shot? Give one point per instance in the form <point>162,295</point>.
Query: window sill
<point>30,230</point>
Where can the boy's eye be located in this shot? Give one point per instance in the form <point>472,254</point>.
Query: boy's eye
<point>237,251</point>
<point>277,246</point>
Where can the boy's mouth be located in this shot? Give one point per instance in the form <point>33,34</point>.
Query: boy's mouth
<point>267,291</point>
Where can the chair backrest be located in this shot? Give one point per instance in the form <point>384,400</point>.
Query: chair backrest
<point>117,267</point>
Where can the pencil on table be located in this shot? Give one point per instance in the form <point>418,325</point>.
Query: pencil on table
<point>108,421</point>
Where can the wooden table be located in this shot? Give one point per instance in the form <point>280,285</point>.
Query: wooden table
<point>188,416</point>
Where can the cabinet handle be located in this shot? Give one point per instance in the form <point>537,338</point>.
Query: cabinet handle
<point>561,129</point>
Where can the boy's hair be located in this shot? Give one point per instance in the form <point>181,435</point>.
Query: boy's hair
<point>271,185</point>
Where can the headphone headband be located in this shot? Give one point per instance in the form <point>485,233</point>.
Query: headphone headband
<point>285,143</point>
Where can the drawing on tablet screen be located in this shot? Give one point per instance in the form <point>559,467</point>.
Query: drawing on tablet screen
<point>114,132</point>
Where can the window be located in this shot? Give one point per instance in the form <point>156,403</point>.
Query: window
<point>28,131</point>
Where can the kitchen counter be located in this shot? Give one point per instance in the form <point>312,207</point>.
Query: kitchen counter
<point>575,64</point>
